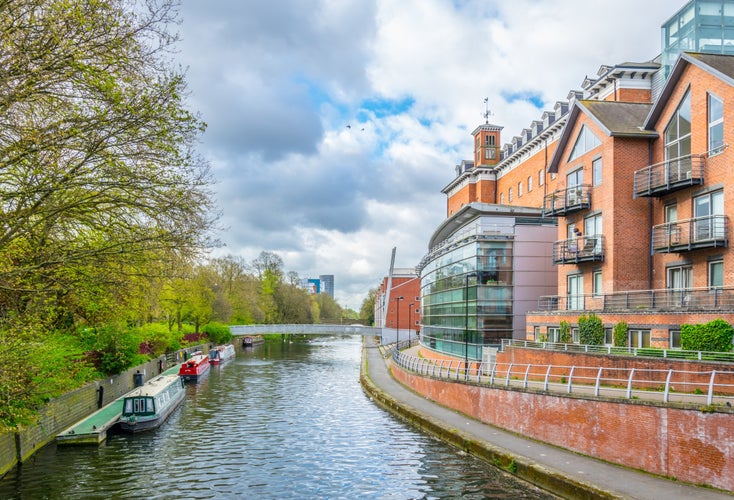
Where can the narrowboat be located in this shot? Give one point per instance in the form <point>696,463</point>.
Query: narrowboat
<point>252,340</point>
<point>148,406</point>
<point>195,367</point>
<point>221,353</point>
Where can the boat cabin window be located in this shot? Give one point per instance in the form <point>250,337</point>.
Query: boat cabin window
<point>139,405</point>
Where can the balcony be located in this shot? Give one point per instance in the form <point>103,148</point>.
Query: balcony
<point>566,201</point>
<point>644,301</point>
<point>670,175</point>
<point>691,234</point>
<point>577,250</point>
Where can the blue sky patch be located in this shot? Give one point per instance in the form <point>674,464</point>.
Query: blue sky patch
<point>533,97</point>
<point>388,107</point>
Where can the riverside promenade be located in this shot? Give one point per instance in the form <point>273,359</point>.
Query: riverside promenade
<point>564,473</point>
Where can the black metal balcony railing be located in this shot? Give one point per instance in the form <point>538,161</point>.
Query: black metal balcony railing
<point>580,249</point>
<point>565,201</point>
<point>641,301</point>
<point>670,175</point>
<point>690,234</point>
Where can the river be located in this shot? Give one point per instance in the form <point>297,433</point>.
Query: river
<point>283,420</point>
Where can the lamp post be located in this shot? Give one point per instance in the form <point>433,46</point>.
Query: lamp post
<point>466,323</point>
<point>410,324</point>
<point>397,312</point>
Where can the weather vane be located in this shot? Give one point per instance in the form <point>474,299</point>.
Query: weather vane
<point>487,113</point>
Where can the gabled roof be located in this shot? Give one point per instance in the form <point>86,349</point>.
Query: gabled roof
<point>616,119</point>
<point>718,65</point>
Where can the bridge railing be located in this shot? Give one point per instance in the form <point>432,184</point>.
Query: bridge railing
<point>310,329</point>
<point>704,387</point>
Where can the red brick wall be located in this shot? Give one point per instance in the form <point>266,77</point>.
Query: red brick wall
<point>529,168</point>
<point>688,445</point>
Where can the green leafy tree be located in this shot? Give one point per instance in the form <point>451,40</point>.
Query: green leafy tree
<point>591,329</point>
<point>565,332</point>
<point>330,310</point>
<point>714,336</point>
<point>367,310</point>
<point>620,334</point>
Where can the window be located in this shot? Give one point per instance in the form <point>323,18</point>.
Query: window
<point>639,338</point>
<point>575,292</point>
<point>519,189</point>
<point>502,198</point>
<point>536,333</point>
<point>530,183</point>
<point>489,154</point>
<point>705,209</point>
<point>597,283</point>
<point>608,336</point>
<point>592,226</point>
<point>596,171</point>
<point>678,134</point>
<point>586,141</point>
<point>509,195</point>
<point>541,177</point>
<point>575,337</point>
<point>489,140</point>
<point>675,339</point>
<point>553,176</point>
<point>716,124</point>
<point>554,334</point>
<point>679,277</point>
<point>574,180</point>
<point>716,274</point>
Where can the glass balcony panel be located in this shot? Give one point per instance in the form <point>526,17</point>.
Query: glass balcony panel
<point>669,176</point>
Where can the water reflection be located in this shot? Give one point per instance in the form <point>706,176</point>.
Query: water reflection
<point>285,420</point>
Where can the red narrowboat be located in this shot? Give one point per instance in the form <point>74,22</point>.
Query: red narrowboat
<point>194,368</point>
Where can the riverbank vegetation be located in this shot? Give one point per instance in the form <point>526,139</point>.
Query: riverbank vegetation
<point>107,209</point>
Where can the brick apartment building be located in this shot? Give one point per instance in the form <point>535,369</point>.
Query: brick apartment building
<point>633,175</point>
<point>398,305</point>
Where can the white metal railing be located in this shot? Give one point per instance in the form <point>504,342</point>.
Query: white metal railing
<point>694,387</point>
<point>662,299</point>
<point>311,329</point>
<point>609,350</point>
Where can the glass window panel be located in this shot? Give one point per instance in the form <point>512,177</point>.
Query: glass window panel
<point>716,274</point>
<point>596,171</point>
<point>675,339</point>
<point>716,136</point>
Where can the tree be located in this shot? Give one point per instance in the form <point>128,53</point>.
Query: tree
<point>330,311</point>
<point>620,334</point>
<point>591,330</point>
<point>367,311</point>
<point>714,336</point>
<point>97,166</point>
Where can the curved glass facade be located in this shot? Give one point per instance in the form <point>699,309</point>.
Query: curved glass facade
<point>487,267</point>
<point>467,297</point>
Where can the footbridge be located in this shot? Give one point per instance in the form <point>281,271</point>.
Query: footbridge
<point>320,329</point>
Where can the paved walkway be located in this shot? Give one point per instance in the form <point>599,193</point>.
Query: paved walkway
<point>608,480</point>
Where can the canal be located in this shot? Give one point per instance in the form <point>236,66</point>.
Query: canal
<point>283,420</point>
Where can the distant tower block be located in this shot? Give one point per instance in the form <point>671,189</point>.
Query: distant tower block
<point>327,284</point>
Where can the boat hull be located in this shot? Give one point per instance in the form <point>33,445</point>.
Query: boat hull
<point>195,368</point>
<point>139,423</point>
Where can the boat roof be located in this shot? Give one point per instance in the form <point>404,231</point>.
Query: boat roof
<point>154,386</point>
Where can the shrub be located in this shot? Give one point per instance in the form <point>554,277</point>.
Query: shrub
<point>714,336</point>
<point>591,330</point>
<point>620,334</point>
<point>217,332</point>
<point>565,332</point>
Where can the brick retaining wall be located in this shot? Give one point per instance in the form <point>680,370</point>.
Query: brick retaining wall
<point>688,445</point>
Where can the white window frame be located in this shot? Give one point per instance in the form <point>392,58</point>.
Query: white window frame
<point>715,123</point>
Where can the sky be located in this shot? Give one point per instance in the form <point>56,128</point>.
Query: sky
<point>333,125</point>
